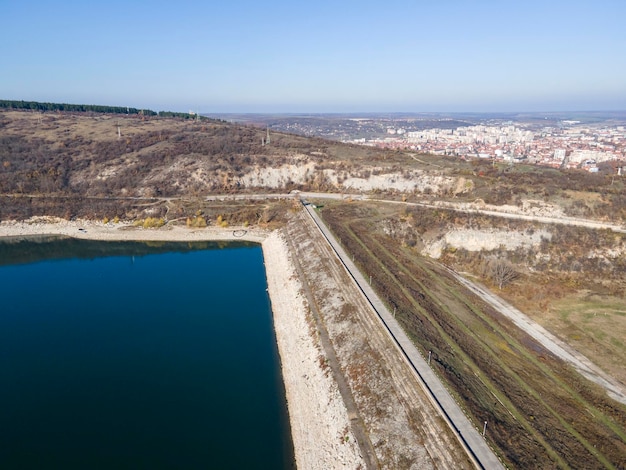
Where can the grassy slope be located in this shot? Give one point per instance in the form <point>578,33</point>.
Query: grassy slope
<point>541,414</point>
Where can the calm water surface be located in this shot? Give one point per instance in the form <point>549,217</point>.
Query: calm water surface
<point>159,356</point>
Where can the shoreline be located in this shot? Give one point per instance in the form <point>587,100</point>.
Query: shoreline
<point>125,231</point>
<point>320,425</point>
<point>318,419</point>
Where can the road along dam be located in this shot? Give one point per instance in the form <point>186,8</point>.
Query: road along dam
<point>399,414</point>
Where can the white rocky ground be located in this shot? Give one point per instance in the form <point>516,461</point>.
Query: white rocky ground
<point>123,231</point>
<point>319,421</point>
<point>320,426</point>
<point>527,207</point>
<point>486,239</point>
<point>413,181</point>
<point>301,172</point>
<point>278,177</point>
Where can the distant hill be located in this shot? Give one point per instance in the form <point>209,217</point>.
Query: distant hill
<point>76,163</point>
<point>95,163</point>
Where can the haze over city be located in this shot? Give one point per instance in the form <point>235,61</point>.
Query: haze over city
<point>279,56</point>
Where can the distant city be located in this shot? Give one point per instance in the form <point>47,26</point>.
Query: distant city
<point>586,140</point>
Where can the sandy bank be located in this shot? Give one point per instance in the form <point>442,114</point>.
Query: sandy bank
<point>320,426</point>
<point>89,230</point>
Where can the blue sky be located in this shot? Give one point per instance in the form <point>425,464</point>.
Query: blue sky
<point>322,56</point>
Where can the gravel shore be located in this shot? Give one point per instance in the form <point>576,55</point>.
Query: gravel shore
<point>320,426</point>
<point>89,230</point>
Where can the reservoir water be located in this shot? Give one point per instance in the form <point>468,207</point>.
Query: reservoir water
<point>135,355</point>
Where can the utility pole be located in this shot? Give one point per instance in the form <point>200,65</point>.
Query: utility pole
<point>484,428</point>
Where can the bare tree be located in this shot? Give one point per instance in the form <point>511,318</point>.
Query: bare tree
<point>501,272</point>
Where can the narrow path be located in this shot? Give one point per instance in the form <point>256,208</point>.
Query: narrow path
<point>510,215</point>
<point>595,224</point>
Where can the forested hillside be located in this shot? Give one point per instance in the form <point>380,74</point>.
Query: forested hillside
<point>93,108</point>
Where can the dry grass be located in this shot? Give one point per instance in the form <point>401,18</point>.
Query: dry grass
<point>583,196</point>
<point>57,127</point>
<point>593,324</point>
<point>542,414</point>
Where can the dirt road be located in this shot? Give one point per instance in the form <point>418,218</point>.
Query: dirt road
<point>581,363</point>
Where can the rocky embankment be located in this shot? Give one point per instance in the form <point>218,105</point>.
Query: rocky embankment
<point>320,426</point>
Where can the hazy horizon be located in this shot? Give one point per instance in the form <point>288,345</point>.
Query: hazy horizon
<point>351,57</point>
<point>365,113</point>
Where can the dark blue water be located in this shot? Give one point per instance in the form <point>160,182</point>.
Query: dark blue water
<point>155,361</point>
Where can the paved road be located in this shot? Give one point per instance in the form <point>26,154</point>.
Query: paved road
<point>471,439</point>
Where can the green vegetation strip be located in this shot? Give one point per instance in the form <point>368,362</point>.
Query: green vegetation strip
<point>94,108</point>
<point>480,385</point>
<point>470,345</point>
<point>496,355</point>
